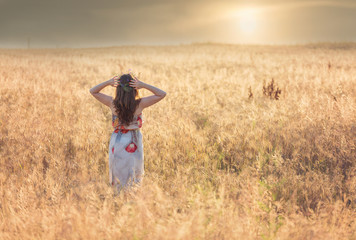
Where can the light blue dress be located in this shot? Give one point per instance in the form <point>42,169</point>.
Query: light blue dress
<point>126,159</point>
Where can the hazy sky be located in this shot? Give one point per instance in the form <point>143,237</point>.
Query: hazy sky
<point>75,23</point>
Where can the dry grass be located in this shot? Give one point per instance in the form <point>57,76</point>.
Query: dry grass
<point>219,164</point>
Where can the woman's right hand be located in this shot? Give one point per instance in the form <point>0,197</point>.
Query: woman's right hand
<point>135,83</point>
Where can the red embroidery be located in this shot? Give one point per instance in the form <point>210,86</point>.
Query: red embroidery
<point>118,127</point>
<point>139,120</point>
<point>131,148</point>
<point>113,150</point>
<point>122,130</point>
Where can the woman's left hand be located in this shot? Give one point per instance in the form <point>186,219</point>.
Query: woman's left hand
<point>114,82</point>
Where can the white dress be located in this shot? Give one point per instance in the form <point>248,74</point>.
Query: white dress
<point>126,160</point>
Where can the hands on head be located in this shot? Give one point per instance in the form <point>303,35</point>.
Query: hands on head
<point>114,82</point>
<point>135,83</point>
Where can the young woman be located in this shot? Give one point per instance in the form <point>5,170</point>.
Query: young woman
<point>126,165</point>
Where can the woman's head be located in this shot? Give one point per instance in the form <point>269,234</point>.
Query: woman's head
<point>126,99</point>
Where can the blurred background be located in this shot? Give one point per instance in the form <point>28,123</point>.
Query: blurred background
<point>75,23</point>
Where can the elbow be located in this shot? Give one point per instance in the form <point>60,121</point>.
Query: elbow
<point>91,91</point>
<point>164,95</point>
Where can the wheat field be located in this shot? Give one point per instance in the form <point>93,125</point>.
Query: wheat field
<point>222,159</point>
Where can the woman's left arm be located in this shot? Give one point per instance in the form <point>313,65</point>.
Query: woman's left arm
<point>103,98</point>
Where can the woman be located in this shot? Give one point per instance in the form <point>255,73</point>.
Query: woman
<point>126,165</point>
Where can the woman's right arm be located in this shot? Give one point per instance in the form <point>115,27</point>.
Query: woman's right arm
<point>150,100</point>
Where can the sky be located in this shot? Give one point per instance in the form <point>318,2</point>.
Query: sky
<point>101,23</point>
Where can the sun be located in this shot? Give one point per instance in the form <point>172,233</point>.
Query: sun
<point>247,20</point>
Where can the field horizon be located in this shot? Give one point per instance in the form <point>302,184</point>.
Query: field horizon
<point>251,142</point>
<point>314,44</point>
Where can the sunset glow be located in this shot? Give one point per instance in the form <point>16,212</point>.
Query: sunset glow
<point>175,22</point>
<point>247,20</point>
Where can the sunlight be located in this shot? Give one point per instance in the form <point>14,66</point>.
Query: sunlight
<point>247,19</point>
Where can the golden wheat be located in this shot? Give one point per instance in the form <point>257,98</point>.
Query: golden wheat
<point>222,161</point>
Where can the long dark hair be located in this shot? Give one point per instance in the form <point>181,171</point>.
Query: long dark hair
<point>126,100</point>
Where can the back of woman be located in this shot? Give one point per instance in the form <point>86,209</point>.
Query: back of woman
<point>126,156</point>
